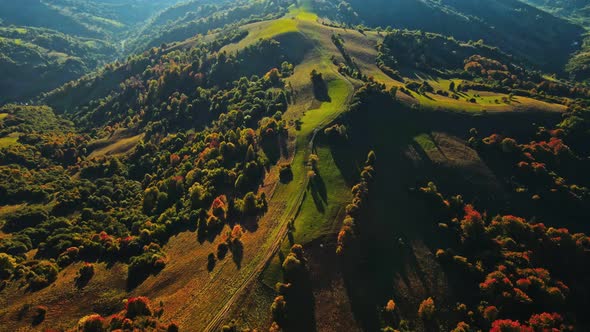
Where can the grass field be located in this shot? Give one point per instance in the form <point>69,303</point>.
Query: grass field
<point>116,146</point>
<point>3,116</point>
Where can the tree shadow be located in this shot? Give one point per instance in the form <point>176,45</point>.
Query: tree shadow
<point>320,187</point>
<point>317,200</point>
<point>302,306</point>
<point>320,88</point>
<point>237,251</point>
<point>137,278</point>
<point>210,262</point>
<point>272,149</point>
<point>250,223</point>
<point>222,250</point>
<point>82,281</point>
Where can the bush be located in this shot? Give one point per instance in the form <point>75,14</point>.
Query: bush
<point>40,274</point>
<point>138,306</point>
<point>7,266</point>
<point>92,323</point>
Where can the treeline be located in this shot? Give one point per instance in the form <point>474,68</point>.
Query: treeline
<point>357,208</point>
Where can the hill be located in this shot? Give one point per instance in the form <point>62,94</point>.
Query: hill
<point>107,20</point>
<point>283,172</point>
<point>34,60</point>
<point>515,27</point>
<point>579,12</point>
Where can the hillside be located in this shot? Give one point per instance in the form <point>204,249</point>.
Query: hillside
<point>46,44</point>
<point>35,60</point>
<point>108,20</point>
<point>256,165</point>
<point>515,27</point>
<point>579,12</point>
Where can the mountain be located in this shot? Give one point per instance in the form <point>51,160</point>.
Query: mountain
<point>577,11</point>
<point>261,165</point>
<point>34,60</point>
<point>46,44</point>
<point>109,19</point>
<point>515,27</point>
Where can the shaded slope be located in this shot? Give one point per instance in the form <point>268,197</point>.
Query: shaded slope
<point>515,27</point>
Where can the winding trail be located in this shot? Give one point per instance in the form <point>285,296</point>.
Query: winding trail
<point>289,214</point>
<point>286,202</point>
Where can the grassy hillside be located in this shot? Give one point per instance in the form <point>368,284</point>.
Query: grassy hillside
<point>229,179</point>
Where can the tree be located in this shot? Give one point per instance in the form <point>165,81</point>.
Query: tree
<point>427,309</point>
<point>138,306</point>
<point>92,323</point>
<point>452,86</point>
<point>390,307</point>
<point>371,158</point>
<point>278,310</point>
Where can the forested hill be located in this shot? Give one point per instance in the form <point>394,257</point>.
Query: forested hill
<point>292,165</point>
<point>512,25</point>
<point>578,10</point>
<point>44,44</point>
<point>108,19</point>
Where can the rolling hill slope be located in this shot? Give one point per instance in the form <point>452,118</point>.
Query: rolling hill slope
<point>515,27</point>
<point>189,171</point>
